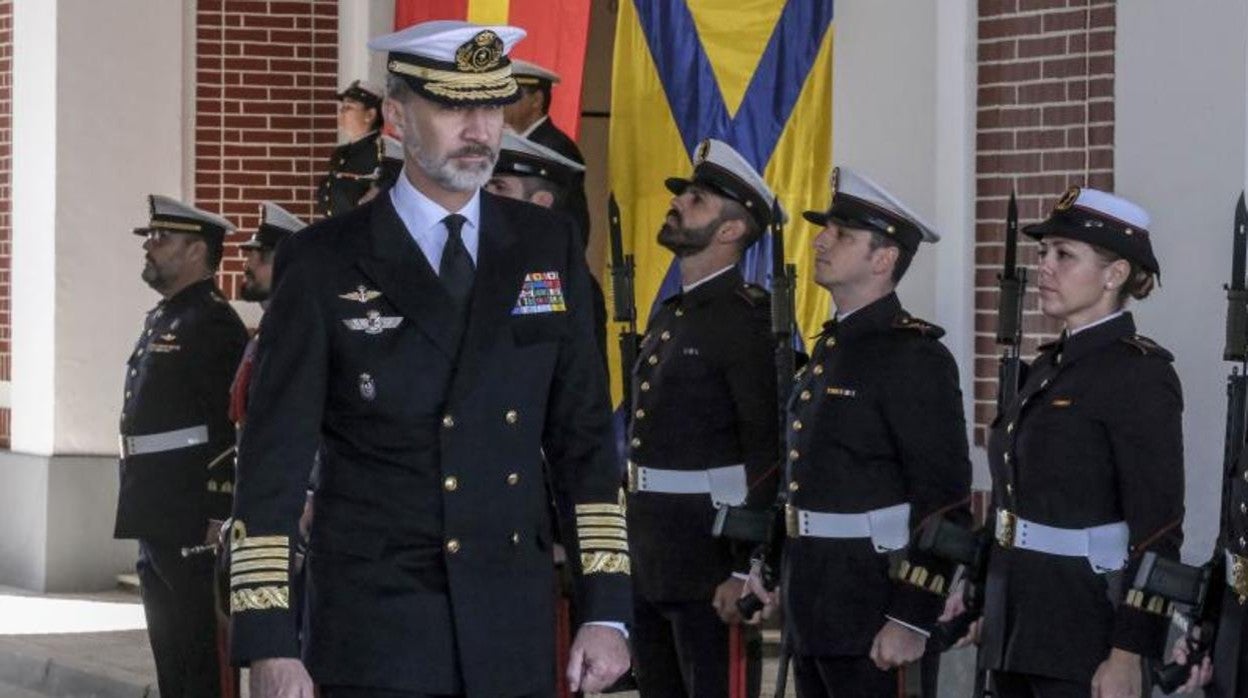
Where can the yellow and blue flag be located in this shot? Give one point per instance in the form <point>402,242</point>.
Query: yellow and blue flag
<point>756,74</point>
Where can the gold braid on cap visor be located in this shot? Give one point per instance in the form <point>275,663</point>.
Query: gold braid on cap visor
<point>453,84</point>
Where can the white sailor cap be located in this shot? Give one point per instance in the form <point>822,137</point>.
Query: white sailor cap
<point>364,92</point>
<point>1102,219</point>
<point>522,157</point>
<point>276,224</point>
<point>721,169</point>
<point>167,213</point>
<point>527,73</point>
<point>454,62</point>
<point>858,202</point>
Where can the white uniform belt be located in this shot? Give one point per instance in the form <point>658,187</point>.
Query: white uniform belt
<point>726,485</point>
<point>1104,547</point>
<point>1237,573</point>
<point>164,441</point>
<point>887,527</point>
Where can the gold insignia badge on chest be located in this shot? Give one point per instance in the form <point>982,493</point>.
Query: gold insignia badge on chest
<point>1061,402</point>
<point>361,294</point>
<point>372,323</point>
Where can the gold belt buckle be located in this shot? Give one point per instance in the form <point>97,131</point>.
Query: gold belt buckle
<point>1238,577</point>
<point>632,477</point>
<point>790,521</point>
<point>1006,524</point>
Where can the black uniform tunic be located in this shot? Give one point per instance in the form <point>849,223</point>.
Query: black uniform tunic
<point>1094,437</point>
<point>353,168</point>
<point>178,377</point>
<point>876,420</point>
<point>1230,654</point>
<point>429,564</point>
<point>704,390</point>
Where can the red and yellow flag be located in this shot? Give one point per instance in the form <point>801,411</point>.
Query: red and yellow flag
<point>558,31</point>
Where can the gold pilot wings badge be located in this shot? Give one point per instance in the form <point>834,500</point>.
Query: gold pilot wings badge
<point>542,292</point>
<point>361,294</point>
<point>372,323</point>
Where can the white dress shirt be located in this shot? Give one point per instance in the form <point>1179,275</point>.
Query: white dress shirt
<point>423,216</point>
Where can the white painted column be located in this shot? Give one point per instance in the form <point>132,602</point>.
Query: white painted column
<point>34,192</point>
<point>98,100</point>
<point>954,179</point>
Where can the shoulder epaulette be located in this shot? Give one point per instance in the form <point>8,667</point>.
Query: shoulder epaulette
<point>753,294</point>
<point>1147,347</point>
<point>913,324</point>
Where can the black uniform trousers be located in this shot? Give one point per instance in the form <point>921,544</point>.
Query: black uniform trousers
<point>1009,684</point>
<point>355,692</point>
<point>1230,657</point>
<point>181,619</point>
<point>682,651</point>
<point>842,677</point>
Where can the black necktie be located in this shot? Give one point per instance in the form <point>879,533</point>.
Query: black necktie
<point>456,269</point>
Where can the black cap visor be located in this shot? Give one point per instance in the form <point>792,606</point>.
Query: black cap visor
<point>1130,243</point>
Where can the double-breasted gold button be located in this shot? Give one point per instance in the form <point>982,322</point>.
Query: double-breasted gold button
<point>665,336</point>
<point>793,454</point>
<point>448,422</point>
<point>797,425</point>
<point>515,538</point>
<point>513,478</point>
<point>511,417</point>
<point>635,443</point>
<point>817,370</point>
<point>645,386</point>
<point>652,360</point>
<point>793,486</point>
<point>640,413</point>
<point>452,546</point>
<point>450,483</point>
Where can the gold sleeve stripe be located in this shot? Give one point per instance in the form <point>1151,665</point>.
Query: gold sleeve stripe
<point>274,553</point>
<point>259,578</point>
<point>603,544</point>
<point>599,532</point>
<point>259,599</point>
<point>275,565</point>
<point>605,563</point>
<point>612,521</point>
<point>590,509</point>
<point>261,542</point>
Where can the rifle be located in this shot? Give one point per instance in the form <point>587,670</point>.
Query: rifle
<point>952,542</point>
<point>625,306</point>
<point>1200,588</point>
<point>772,533</point>
<point>1012,287</point>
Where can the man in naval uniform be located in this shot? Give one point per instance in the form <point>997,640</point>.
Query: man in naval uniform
<point>177,440</point>
<point>276,224</point>
<point>529,117</point>
<point>436,344</point>
<point>877,448</point>
<point>704,432</point>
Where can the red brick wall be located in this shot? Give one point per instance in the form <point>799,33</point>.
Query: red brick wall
<point>6,168</point>
<point>265,78</point>
<point>1045,121</point>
